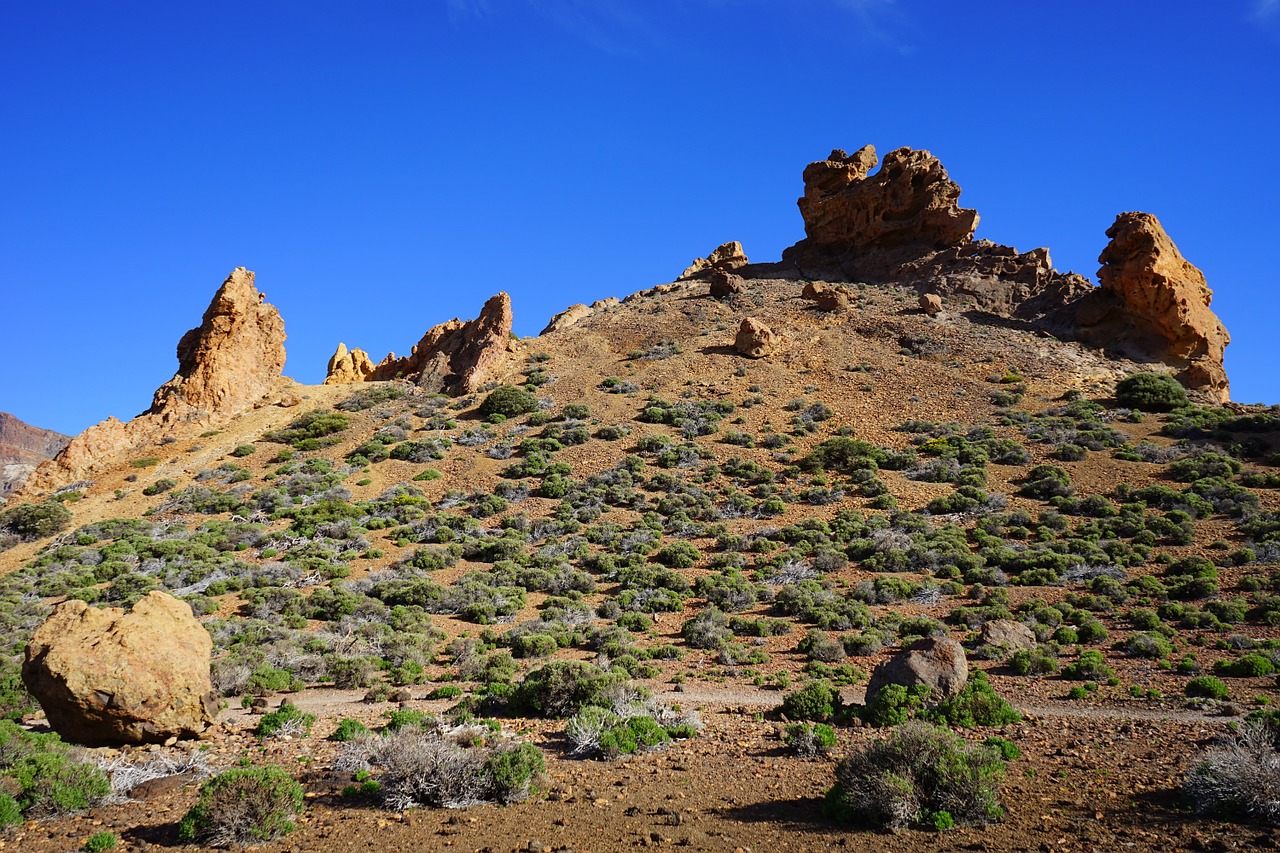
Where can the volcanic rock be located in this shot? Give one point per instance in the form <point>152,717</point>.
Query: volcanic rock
<point>567,318</point>
<point>727,256</point>
<point>456,357</point>
<point>346,367</point>
<point>724,283</point>
<point>827,297</point>
<point>931,304</point>
<point>108,677</point>
<point>936,662</point>
<point>755,339</point>
<point>1007,634</point>
<point>1157,303</point>
<point>229,361</point>
<point>22,448</point>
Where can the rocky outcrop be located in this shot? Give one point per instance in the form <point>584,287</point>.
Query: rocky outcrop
<point>456,357</point>
<point>575,314</point>
<point>827,297</point>
<point>907,208</point>
<point>1153,302</point>
<point>22,448</point>
<point>106,677</point>
<point>935,662</point>
<point>904,225</point>
<point>727,256</point>
<point>347,367</point>
<point>229,361</point>
<point>755,339</point>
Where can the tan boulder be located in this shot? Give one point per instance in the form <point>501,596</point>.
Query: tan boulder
<point>755,339</point>
<point>1007,634</point>
<point>232,358</point>
<point>827,297</point>
<point>1162,301</point>
<point>346,367</point>
<point>724,284</point>
<point>935,662</point>
<point>931,304</point>
<point>727,256</point>
<point>104,676</point>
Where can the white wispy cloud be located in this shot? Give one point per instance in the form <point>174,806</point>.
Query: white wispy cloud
<point>1265,10</point>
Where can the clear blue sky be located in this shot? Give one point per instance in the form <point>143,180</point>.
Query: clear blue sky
<point>387,165</point>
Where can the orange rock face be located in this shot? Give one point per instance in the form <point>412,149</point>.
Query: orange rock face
<point>456,357</point>
<point>346,367</point>
<point>755,339</point>
<point>911,201</point>
<point>233,358</point>
<point>1164,301</point>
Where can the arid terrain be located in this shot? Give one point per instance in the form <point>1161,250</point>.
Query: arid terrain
<point>709,495</point>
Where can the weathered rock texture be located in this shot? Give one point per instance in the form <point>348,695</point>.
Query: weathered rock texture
<point>229,361</point>
<point>1007,634</point>
<point>724,284</point>
<point>22,448</point>
<point>346,367</point>
<point>755,339</point>
<point>904,225</point>
<point>727,256</point>
<point>456,357</point>
<point>931,304</point>
<point>827,297</point>
<point>228,364</point>
<point>105,677</point>
<point>936,662</point>
<point>1158,303</point>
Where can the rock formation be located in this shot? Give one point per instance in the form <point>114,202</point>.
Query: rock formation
<point>228,364</point>
<point>936,662</point>
<point>727,256</point>
<point>724,284</point>
<point>229,361</point>
<point>106,677</point>
<point>574,314</point>
<point>1006,634</point>
<point>22,448</point>
<point>827,297</point>
<point>931,304</point>
<point>755,339</point>
<point>1157,303</point>
<point>456,357</point>
<point>904,225</point>
<point>346,367</point>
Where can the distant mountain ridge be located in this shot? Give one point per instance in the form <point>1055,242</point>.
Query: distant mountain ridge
<point>22,448</point>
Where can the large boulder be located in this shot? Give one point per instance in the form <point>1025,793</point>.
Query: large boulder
<point>935,662</point>
<point>1156,303</point>
<point>724,284</point>
<point>827,297</point>
<point>755,339</point>
<point>1006,634</point>
<point>107,677</point>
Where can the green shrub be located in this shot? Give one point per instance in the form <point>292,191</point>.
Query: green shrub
<point>894,704</point>
<point>508,401</point>
<point>977,704</point>
<point>244,450</point>
<point>1008,750</point>
<point>1091,665</point>
<point>810,740</point>
<point>10,812</point>
<point>100,841</point>
<point>29,522</point>
<point>1251,665</point>
<point>349,729</point>
<point>1034,661</point>
<point>561,689</point>
<point>915,774</point>
<point>266,680</point>
<point>159,486</point>
<point>1150,392</point>
<point>817,701</point>
<point>1208,687</point>
<point>409,718</point>
<point>287,720</point>
<point>243,805</point>
<point>311,431</point>
<point>514,771</point>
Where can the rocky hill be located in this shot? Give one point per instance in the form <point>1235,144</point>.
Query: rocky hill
<point>899,473</point>
<point>22,448</point>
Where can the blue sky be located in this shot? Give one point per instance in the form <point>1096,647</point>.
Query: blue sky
<point>385,166</point>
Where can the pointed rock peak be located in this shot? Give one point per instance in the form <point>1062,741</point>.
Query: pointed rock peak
<point>346,367</point>
<point>234,357</point>
<point>1163,300</point>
